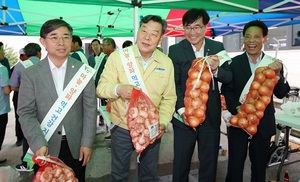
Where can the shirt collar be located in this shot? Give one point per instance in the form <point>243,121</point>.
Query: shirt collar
<point>52,66</point>
<point>202,47</point>
<point>142,56</point>
<point>257,60</point>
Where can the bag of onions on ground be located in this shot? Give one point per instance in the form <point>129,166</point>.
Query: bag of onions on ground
<point>142,120</point>
<point>52,169</point>
<point>257,99</point>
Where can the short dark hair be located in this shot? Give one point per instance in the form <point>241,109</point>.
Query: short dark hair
<point>32,49</point>
<point>154,18</point>
<point>110,41</point>
<point>256,23</point>
<point>76,38</point>
<point>194,14</point>
<point>95,40</point>
<point>1,44</point>
<point>126,43</point>
<point>54,24</point>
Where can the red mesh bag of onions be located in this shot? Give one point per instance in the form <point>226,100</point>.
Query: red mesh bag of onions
<point>256,100</point>
<point>52,169</point>
<point>142,120</point>
<point>196,94</point>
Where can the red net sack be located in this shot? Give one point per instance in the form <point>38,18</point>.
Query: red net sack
<point>196,94</point>
<point>257,99</point>
<point>108,106</point>
<point>52,169</point>
<point>142,120</point>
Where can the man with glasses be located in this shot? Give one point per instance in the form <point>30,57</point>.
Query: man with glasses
<point>207,135</point>
<point>156,77</point>
<point>58,94</point>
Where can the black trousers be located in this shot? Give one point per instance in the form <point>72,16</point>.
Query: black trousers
<point>66,156</point>
<point>25,148</point>
<point>3,123</point>
<point>207,139</point>
<point>239,145</point>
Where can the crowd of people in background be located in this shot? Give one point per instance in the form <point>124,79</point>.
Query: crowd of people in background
<point>38,85</point>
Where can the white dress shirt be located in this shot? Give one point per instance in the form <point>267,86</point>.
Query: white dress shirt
<point>58,75</point>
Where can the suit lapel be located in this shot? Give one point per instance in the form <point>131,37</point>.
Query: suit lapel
<point>206,47</point>
<point>70,72</point>
<point>48,82</point>
<point>244,64</point>
<point>188,51</point>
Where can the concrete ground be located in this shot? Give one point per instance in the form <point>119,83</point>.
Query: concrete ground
<point>98,170</point>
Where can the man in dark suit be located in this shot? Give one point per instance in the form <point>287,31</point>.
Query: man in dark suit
<point>243,66</point>
<point>42,84</point>
<point>206,135</point>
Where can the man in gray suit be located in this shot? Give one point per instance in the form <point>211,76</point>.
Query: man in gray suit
<point>41,85</point>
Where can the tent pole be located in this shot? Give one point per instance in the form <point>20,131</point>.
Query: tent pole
<point>3,12</point>
<point>136,23</point>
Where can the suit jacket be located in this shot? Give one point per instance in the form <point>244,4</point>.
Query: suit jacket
<point>37,94</point>
<point>182,55</point>
<point>241,73</point>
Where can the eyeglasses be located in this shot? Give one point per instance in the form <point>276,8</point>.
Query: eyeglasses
<point>56,39</point>
<point>197,28</point>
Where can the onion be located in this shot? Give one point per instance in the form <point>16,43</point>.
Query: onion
<point>143,114</point>
<point>204,87</point>
<point>269,73</point>
<point>146,133</point>
<point>195,93</point>
<point>196,102</point>
<point>133,112</point>
<point>139,128</point>
<point>147,123</point>
<point>142,140</point>
<point>193,73</point>
<point>134,133</point>
<point>206,76</point>
<point>193,121</point>
<point>242,122</point>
